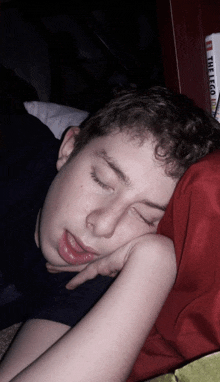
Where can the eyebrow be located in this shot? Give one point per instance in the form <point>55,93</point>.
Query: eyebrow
<point>114,166</point>
<point>124,178</point>
<point>154,205</point>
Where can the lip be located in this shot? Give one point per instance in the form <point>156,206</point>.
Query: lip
<point>72,251</point>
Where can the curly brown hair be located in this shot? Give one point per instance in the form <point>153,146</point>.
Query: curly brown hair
<point>183,132</point>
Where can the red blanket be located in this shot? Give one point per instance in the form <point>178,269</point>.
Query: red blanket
<point>189,323</point>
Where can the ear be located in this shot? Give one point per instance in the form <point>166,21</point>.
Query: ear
<point>67,146</point>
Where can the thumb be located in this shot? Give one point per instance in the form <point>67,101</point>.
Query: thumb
<point>89,273</point>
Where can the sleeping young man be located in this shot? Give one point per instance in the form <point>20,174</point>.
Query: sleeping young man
<point>116,176</point>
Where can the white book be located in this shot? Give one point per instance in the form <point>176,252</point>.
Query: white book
<point>213,65</point>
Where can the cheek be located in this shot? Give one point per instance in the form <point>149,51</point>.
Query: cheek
<point>131,228</point>
<point>52,209</point>
<point>68,203</point>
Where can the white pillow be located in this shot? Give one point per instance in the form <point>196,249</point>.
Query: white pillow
<point>56,117</point>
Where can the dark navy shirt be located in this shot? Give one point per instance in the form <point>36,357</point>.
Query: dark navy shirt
<point>28,153</point>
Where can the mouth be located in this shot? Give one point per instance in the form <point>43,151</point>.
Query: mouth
<point>74,252</point>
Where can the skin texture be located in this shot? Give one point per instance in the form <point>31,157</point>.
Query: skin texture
<point>106,342</point>
<point>110,199</point>
<point>95,205</point>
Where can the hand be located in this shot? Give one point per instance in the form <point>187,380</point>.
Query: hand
<point>112,264</point>
<point>108,265</point>
<point>65,268</point>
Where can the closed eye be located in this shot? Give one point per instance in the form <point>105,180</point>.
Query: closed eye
<point>149,223</point>
<point>99,182</point>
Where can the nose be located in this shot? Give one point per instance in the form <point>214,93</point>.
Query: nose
<point>102,222</point>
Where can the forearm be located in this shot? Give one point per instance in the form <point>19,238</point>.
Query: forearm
<point>105,344</point>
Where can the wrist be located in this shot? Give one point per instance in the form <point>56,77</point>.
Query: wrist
<point>153,250</point>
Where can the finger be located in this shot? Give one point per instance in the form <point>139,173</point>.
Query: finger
<point>52,269</point>
<point>113,274</point>
<point>65,268</point>
<point>88,273</point>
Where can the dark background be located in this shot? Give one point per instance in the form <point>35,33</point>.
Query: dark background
<point>77,54</point>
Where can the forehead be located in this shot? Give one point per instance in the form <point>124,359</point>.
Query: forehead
<point>126,150</point>
<point>133,161</point>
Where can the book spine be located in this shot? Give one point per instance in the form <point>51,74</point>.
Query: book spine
<point>213,65</point>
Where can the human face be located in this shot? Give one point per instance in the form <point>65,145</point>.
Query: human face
<point>112,191</point>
